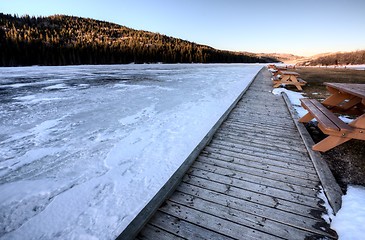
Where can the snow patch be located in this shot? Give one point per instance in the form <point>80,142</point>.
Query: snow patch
<point>57,86</point>
<point>25,98</point>
<point>144,113</point>
<point>349,222</point>
<point>294,99</point>
<point>346,119</point>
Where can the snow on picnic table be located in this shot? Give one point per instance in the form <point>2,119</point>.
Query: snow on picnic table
<point>349,222</point>
<point>85,148</point>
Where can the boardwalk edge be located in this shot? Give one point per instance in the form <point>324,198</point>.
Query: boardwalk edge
<point>331,189</point>
<point>131,231</point>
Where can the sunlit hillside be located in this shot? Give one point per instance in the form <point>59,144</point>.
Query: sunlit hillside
<point>338,58</point>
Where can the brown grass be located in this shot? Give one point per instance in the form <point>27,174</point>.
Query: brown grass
<point>315,77</point>
<point>346,161</point>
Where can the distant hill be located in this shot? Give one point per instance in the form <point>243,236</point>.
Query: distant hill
<point>323,59</point>
<point>282,57</point>
<point>67,40</point>
<point>338,58</point>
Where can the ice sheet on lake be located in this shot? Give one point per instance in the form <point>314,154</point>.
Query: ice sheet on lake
<point>84,148</point>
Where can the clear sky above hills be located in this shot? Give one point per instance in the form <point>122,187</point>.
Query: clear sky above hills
<point>285,26</point>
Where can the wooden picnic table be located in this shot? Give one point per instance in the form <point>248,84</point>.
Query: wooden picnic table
<point>346,98</point>
<point>352,92</point>
<point>288,77</point>
<point>272,66</point>
<point>277,71</point>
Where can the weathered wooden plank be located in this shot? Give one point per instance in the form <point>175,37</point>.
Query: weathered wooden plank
<point>249,103</point>
<point>250,106</point>
<point>261,123</point>
<point>255,128</point>
<point>231,214</point>
<point>257,188</point>
<point>275,168</point>
<point>217,224</point>
<point>276,214</point>
<point>261,119</point>
<point>268,146</point>
<point>242,162</point>
<point>264,144</point>
<point>183,228</point>
<point>223,209</point>
<point>267,111</point>
<point>266,128</point>
<point>267,139</point>
<point>261,108</point>
<point>279,119</point>
<point>262,199</point>
<point>231,120</point>
<point>260,98</point>
<point>296,160</point>
<point>257,142</point>
<point>262,163</point>
<point>254,152</point>
<point>253,99</point>
<point>234,164</point>
<point>278,136</point>
<point>199,166</point>
<point>258,148</point>
<point>260,136</point>
<point>150,232</point>
<point>217,160</point>
<point>245,147</point>
<point>254,102</point>
<point>238,155</point>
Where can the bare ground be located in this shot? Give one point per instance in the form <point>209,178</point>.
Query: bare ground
<point>347,161</point>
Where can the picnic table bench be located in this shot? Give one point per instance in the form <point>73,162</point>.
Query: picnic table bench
<point>290,78</point>
<point>345,98</point>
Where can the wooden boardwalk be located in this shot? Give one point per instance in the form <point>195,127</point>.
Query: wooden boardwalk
<point>254,180</point>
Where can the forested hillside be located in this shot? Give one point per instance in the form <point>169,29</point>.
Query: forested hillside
<point>65,40</point>
<point>347,58</point>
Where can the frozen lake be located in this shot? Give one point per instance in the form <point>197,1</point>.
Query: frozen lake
<point>84,148</point>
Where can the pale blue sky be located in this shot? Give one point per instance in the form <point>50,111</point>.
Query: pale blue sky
<point>304,27</point>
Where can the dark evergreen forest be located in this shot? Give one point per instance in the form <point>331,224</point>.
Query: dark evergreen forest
<point>68,40</point>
